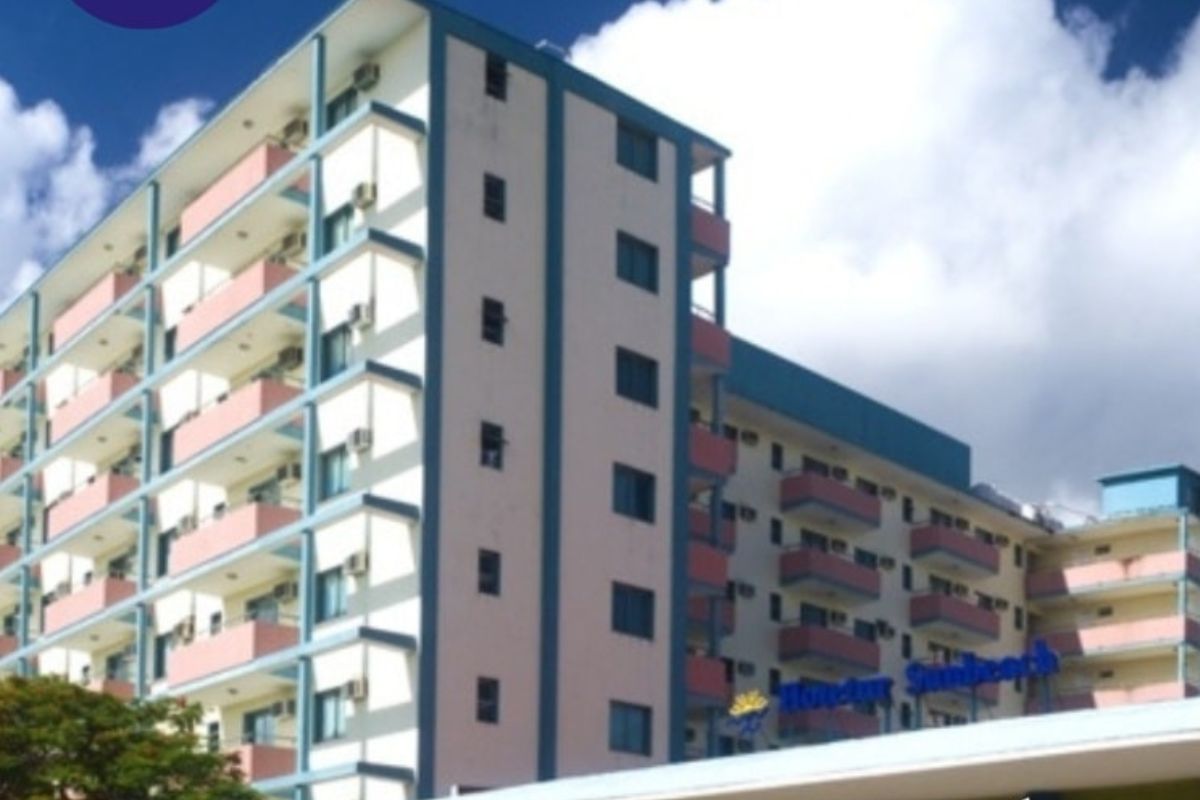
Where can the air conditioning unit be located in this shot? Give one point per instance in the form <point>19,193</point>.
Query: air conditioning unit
<point>837,617</point>
<point>746,669</point>
<point>887,493</point>
<point>366,76</point>
<point>887,562</point>
<point>295,132</point>
<point>362,315</point>
<point>364,196</point>
<point>961,589</point>
<point>288,473</point>
<point>286,592</point>
<point>188,523</point>
<point>838,545</point>
<point>839,473</point>
<point>357,564</point>
<point>1000,604</point>
<point>356,690</point>
<point>290,358</point>
<point>1002,540</point>
<point>359,441</point>
<point>185,630</point>
<point>749,438</point>
<point>747,513</point>
<point>292,246</point>
<point>284,709</point>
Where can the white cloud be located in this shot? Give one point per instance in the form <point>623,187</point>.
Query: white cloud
<point>51,188</point>
<point>943,204</point>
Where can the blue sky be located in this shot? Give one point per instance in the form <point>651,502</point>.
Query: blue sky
<point>114,81</point>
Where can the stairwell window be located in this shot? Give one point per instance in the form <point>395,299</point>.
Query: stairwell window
<point>329,716</point>
<point>629,728</point>
<point>633,493</point>
<point>489,572</point>
<point>337,227</point>
<point>494,321</point>
<point>632,610</point>
<point>491,445</point>
<point>637,377</point>
<point>637,150</point>
<point>637,262</point>
<point>335,350</point>
<point>496,77</point>
<point>334,472</point>
<point>487,700</point>
<point>494,197</point>
<point>331,594</point>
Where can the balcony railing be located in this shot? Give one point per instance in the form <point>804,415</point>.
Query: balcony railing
<point>255,167</point>
<point>90,305</point>
<point>827,725</point>
<point>844,579</point>
<point>9,378</point>
<point>710,238</point>
<point>1072,698</point>
<point>828,647</point>
<point>699,611</point>
<point>712,346</point>
<point>9,554</point>
<point>706,681</point>
<point>1111,574</point>
<point>232,297</point>
<point>226,533</point>
<point>8,644</point>
<point>708,567</point>
<point>260,762</point>
<point>821,500</point>
<point>699,526</point>
<point>120,688</point>
<point>953,550</point>
<point>86,501</point>
<point>237,643</point>
<point>87,601</point>
<point>228,416</point>
<point>90,401</point>
<point>1118,637</point>
<point>953,617</point>
<point>713,456</point>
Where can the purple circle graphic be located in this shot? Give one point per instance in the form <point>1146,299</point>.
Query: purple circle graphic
<point>145,14</point>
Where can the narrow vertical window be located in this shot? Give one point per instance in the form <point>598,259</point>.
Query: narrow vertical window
<point>494,196</point>
<point>633,493</point>
<point>637,377</point>
<point>331,594</point>
<point>637,150</point>
<point>637,262</point>
<point>632,611</point>
<point>491,445</point>
<point>629,728</point>
<point>337,227</point>
<point>329,716</point>
<point>489,572</point>
<point>494,321</point>
<point>496,77</point>
<point>335,350</point>
<point>335,472</point>
<point>341,107</point>
<point>487,700</point>
<point>776,456</point>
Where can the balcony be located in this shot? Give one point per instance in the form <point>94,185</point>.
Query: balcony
<point>698,616</point>
<point>9,554</point>
<point>953,551</point>
<point>90,305</point>
<point>1111,576</point>
<point>91,400</point>
<point>824,502</point>
<point>829,575</point>
<point>699,526</point>
<point>228,416</point>
<point>713,456</point>
<point>9,378</point>
<point>708,568</point>
<point>86,500</point>
<point>1119,637</point>
<point>1077,698</point>
<point>8,644</point>
<point>260,762</point>
<point>116,687</point>
<point>235,645</point>
<point>954,618</point>
<point>710,241</point>
<point>239,181</point>
<point>9,466</point>
<point>712,346</point>
<point>87,601</point>
<point>227,533</point>
<point>827,725</point>
<point>226,302</point>
<point>828,648</point>
<point>706,681</point>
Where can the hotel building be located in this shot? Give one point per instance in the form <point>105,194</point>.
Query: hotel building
<point>394,421</point>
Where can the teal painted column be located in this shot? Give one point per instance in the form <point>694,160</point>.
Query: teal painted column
<point>316,120</point>
<point>719,273</point>
<point>28,489</point>
<point>153,207</point>
<point>304,676</point>
<point>316,250</point>
<point>1182,650</point>
<point>35,324</point>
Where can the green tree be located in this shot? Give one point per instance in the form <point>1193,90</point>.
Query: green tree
<point>59,741</point>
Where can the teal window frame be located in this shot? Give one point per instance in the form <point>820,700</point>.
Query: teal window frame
<point>637,377</point>
<point>637,262</point>
<point>633,493</point>
<point>632,611</point>
<point>637,150</point>
<point>629,728</point>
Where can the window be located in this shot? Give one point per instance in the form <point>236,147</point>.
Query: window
<point>815,466</point>
<point>494,321</point>
<point>776,531</point>
<point>939,585</point>
<point>776,456</point>
<point>487,700</point>
<point>814,541</point>
<point>906,715</point>
<point>637,150</point>
<point>864,629</point>
<point>496,77</point>
<point>335,472</point>
<point>726,745</point>
<point>776,607</point>
<point>907,508</point>
<point>329,716</point>
<point>637,262</point>
<point>941,518</point>
<point>1018,556</point>
<point>341,107</point>
<point>637,377</point>
<point>335,350</point>
<point>258,727</point>
<point>1018,618</point>
<point>633,493</point>
<point>730,432</point>
<point>628,728</point>
<point>493,197</point>
<point>337,227</point>
<point>905,646</point>
<point>162,561</point>
<point>774,678</point>
<point>728,510</point>
<point>866,487</point>
<point>633,611</point>
<point>162,646</point>
<point>866,558</point>
<point>491,445</point>
<point>174,240</point>
<point>906,576</point>
<point>489,572</point>
<point>814,615</point>
<point>331,594</point>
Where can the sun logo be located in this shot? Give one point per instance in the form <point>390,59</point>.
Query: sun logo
<point>747,703</point>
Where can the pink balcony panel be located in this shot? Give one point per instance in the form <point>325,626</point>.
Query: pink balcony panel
<point>708,567</point>
<point>86,601</point>
<point>824,725</point>
<point>1111,573</point>
<point>260,164</point>
<point>230,648</point>
<point>9,378</point>
<point>828,645</point>
<point>955,548</point>
<point>94,301</point>
<point>1101,697</point>
<point>228,533</point>
<point>803,566</point>
<point>955,615</point>
<point>9,466</point>
<point>809,491</point>
<point>712,345</point>
<point>236,412</point>
<point>122,690</point>
<point>260,762</point>
<point>8,644</point>
<point>9,555</point>
<point>699,610</point>
<point>91,400</point>
<point>699,525</point>
<point>710,233</point>
<point>712,454</point>
<point>706,683</point>
<point>86,501</point>
<point>1117,636</point>
<point>232,297</point>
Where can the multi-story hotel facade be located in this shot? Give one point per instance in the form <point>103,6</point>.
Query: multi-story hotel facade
<point>394,421</point>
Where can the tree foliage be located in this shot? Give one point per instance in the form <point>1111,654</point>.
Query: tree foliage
<point>59,741</point>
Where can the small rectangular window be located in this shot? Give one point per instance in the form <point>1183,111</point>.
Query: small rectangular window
<point>335,350</point>
<point>866,558</point>
<point>487,700</point>
<point>776,456</point>
<point>628,728</point>
<point>494,321</point>
<point>162,646</point>
<point>329,716</point>
<point>637,262</point>
<point>491,445</point>
<point>163,552</point>
<point>1018,618</point>
<point>489,572</point>
<point>633,493</point>
<point>774,678</point>
<point>864,629</point>
<point>815,466</point>
<point>335,472</point>
<point>1018,556</point>
<point>494,191</point>
<point>814,615</point>
<point>776,531</point>
<point>338,226</point>
<point>866,487</point>
<point>776,611</point>
<point>637,377</point>
<point>906,579</point>
<point>331,594</point>
<point>906,715</point>
<point>632,610</point>
<point>811,540</point>
<point>174,239</point>
<point>496,77</point>
<point>637,150</point>
<point>905,646</point>
<point>340,107</point>
<point>907,509</point>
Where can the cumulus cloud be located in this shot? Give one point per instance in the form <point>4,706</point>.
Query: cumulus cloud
<point>51,188</point>
<point>945,205</point>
